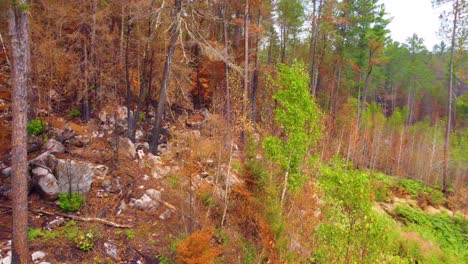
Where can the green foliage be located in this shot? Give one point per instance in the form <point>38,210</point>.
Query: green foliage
<point>34,233</point>
<point>142,117</point>
<point>250,253</point>
<point>451,234</point>
<point>130,234</point>
<point>84,241</point>
<point>70,202</point>
<point>74,113</point>
<point>207,199</point>
<point>71,230</point>
<point>161,259</point>
<point>35,127</point>
<point>299,117</point>
<point>173,181</point>
<point>352,227</point>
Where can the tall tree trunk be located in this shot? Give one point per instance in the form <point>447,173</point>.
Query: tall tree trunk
<point>255,73</point>
<point>143,82</point>
<point>449,100</point>
<point>226,66</point>
<point>246,57</point>
<point>127,79</point>
<point>167,67</point>
<point>314,43</point>
<point>19,30</point>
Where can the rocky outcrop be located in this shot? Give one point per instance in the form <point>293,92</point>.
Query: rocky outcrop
<point>151,199</point>
<point>74,176</point>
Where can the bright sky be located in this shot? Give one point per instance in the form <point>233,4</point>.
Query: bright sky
<point>413,16</point>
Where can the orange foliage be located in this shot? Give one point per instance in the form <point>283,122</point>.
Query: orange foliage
<point>198,249</point>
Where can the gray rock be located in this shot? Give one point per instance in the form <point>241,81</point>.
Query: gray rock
<point>53,146</point>
<point>75,176</point>
<point>148,201</point>
<point>166,215</point>
<point>106,185</point>
<point>55,223</point>
<point>38,255</point>
<point>100,171</point>
<point>126,148</point>
<point>111,250</point>
<point>47,186</point>
<point>6,260</point>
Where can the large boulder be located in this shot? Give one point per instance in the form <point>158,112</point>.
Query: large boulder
<point>53,146</point>
<point>45,182</point>
<point>74,176</point>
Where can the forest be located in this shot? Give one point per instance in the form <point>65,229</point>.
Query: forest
<point>217,131</point>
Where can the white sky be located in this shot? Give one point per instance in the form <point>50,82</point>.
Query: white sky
<point>413,16</point>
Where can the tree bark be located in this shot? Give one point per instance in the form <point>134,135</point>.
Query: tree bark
<point>19,30</point>
<point>449,101</point>
<point>167,67</point>
<point>255,73</point>
<point>127,79</point>
<point>246,56</point>
<point>143,82</point>
<point>226,66</point>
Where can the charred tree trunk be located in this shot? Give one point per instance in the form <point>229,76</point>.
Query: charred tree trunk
<point>127,78</point>
<point>255,73</point>
<point>167,67</point>
<point>19,30</point>
<point>143,82</point>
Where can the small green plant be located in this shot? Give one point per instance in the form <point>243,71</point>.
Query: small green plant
<point>35,127</point>
<point>34,233</point>
<point>70,202</point>
<point>142,117</point>
<point>71,230</point>
<point>74,113</point>
<point>207,199</point>
<point>130,234</point>
<point>162,259</point>
<point>173,181</point>
<point>85,241</point>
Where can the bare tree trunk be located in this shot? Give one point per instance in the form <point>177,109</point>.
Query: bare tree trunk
<point>167,67</point>
<point>226,66</point>
<point>255,73</point>
<point>19,30</point>
<point>127,79</point>
<point>316,19</point>
<point>449,100</point>
<point>143,82</point>
<point>246,56</point>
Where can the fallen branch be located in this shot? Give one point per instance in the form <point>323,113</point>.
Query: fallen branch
<point>74,217</point>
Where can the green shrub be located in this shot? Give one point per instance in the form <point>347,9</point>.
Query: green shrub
<point>84,241</point>
<point>142,117</point>
<point>34,233</point>
<point>412,187</point>
<point>70,202</point>
<point>74,113</point>
<point>130,234</point>
<point>35,127</point>
<point>451,234</point>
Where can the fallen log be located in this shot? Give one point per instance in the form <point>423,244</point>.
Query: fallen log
<point>75,217</point>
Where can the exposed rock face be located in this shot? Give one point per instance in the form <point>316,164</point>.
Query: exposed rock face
<point>74,176</point>
<point>101,171</point>
<point>149,200</point>
<point>126,148</point>
<point>46,183</point>
<point>53,146</point>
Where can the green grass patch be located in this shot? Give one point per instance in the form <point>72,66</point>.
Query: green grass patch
<point>70,202</point>
<point>450,233</point>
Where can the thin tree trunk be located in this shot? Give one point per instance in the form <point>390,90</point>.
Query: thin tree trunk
<point>449,101</point>
<point>19,30</point>
<point>167,66</point>
<point>246,56</point>
<point>143,82</point>
<point>127,79</point>
<point>226,66</point>
<point>255,73</point>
